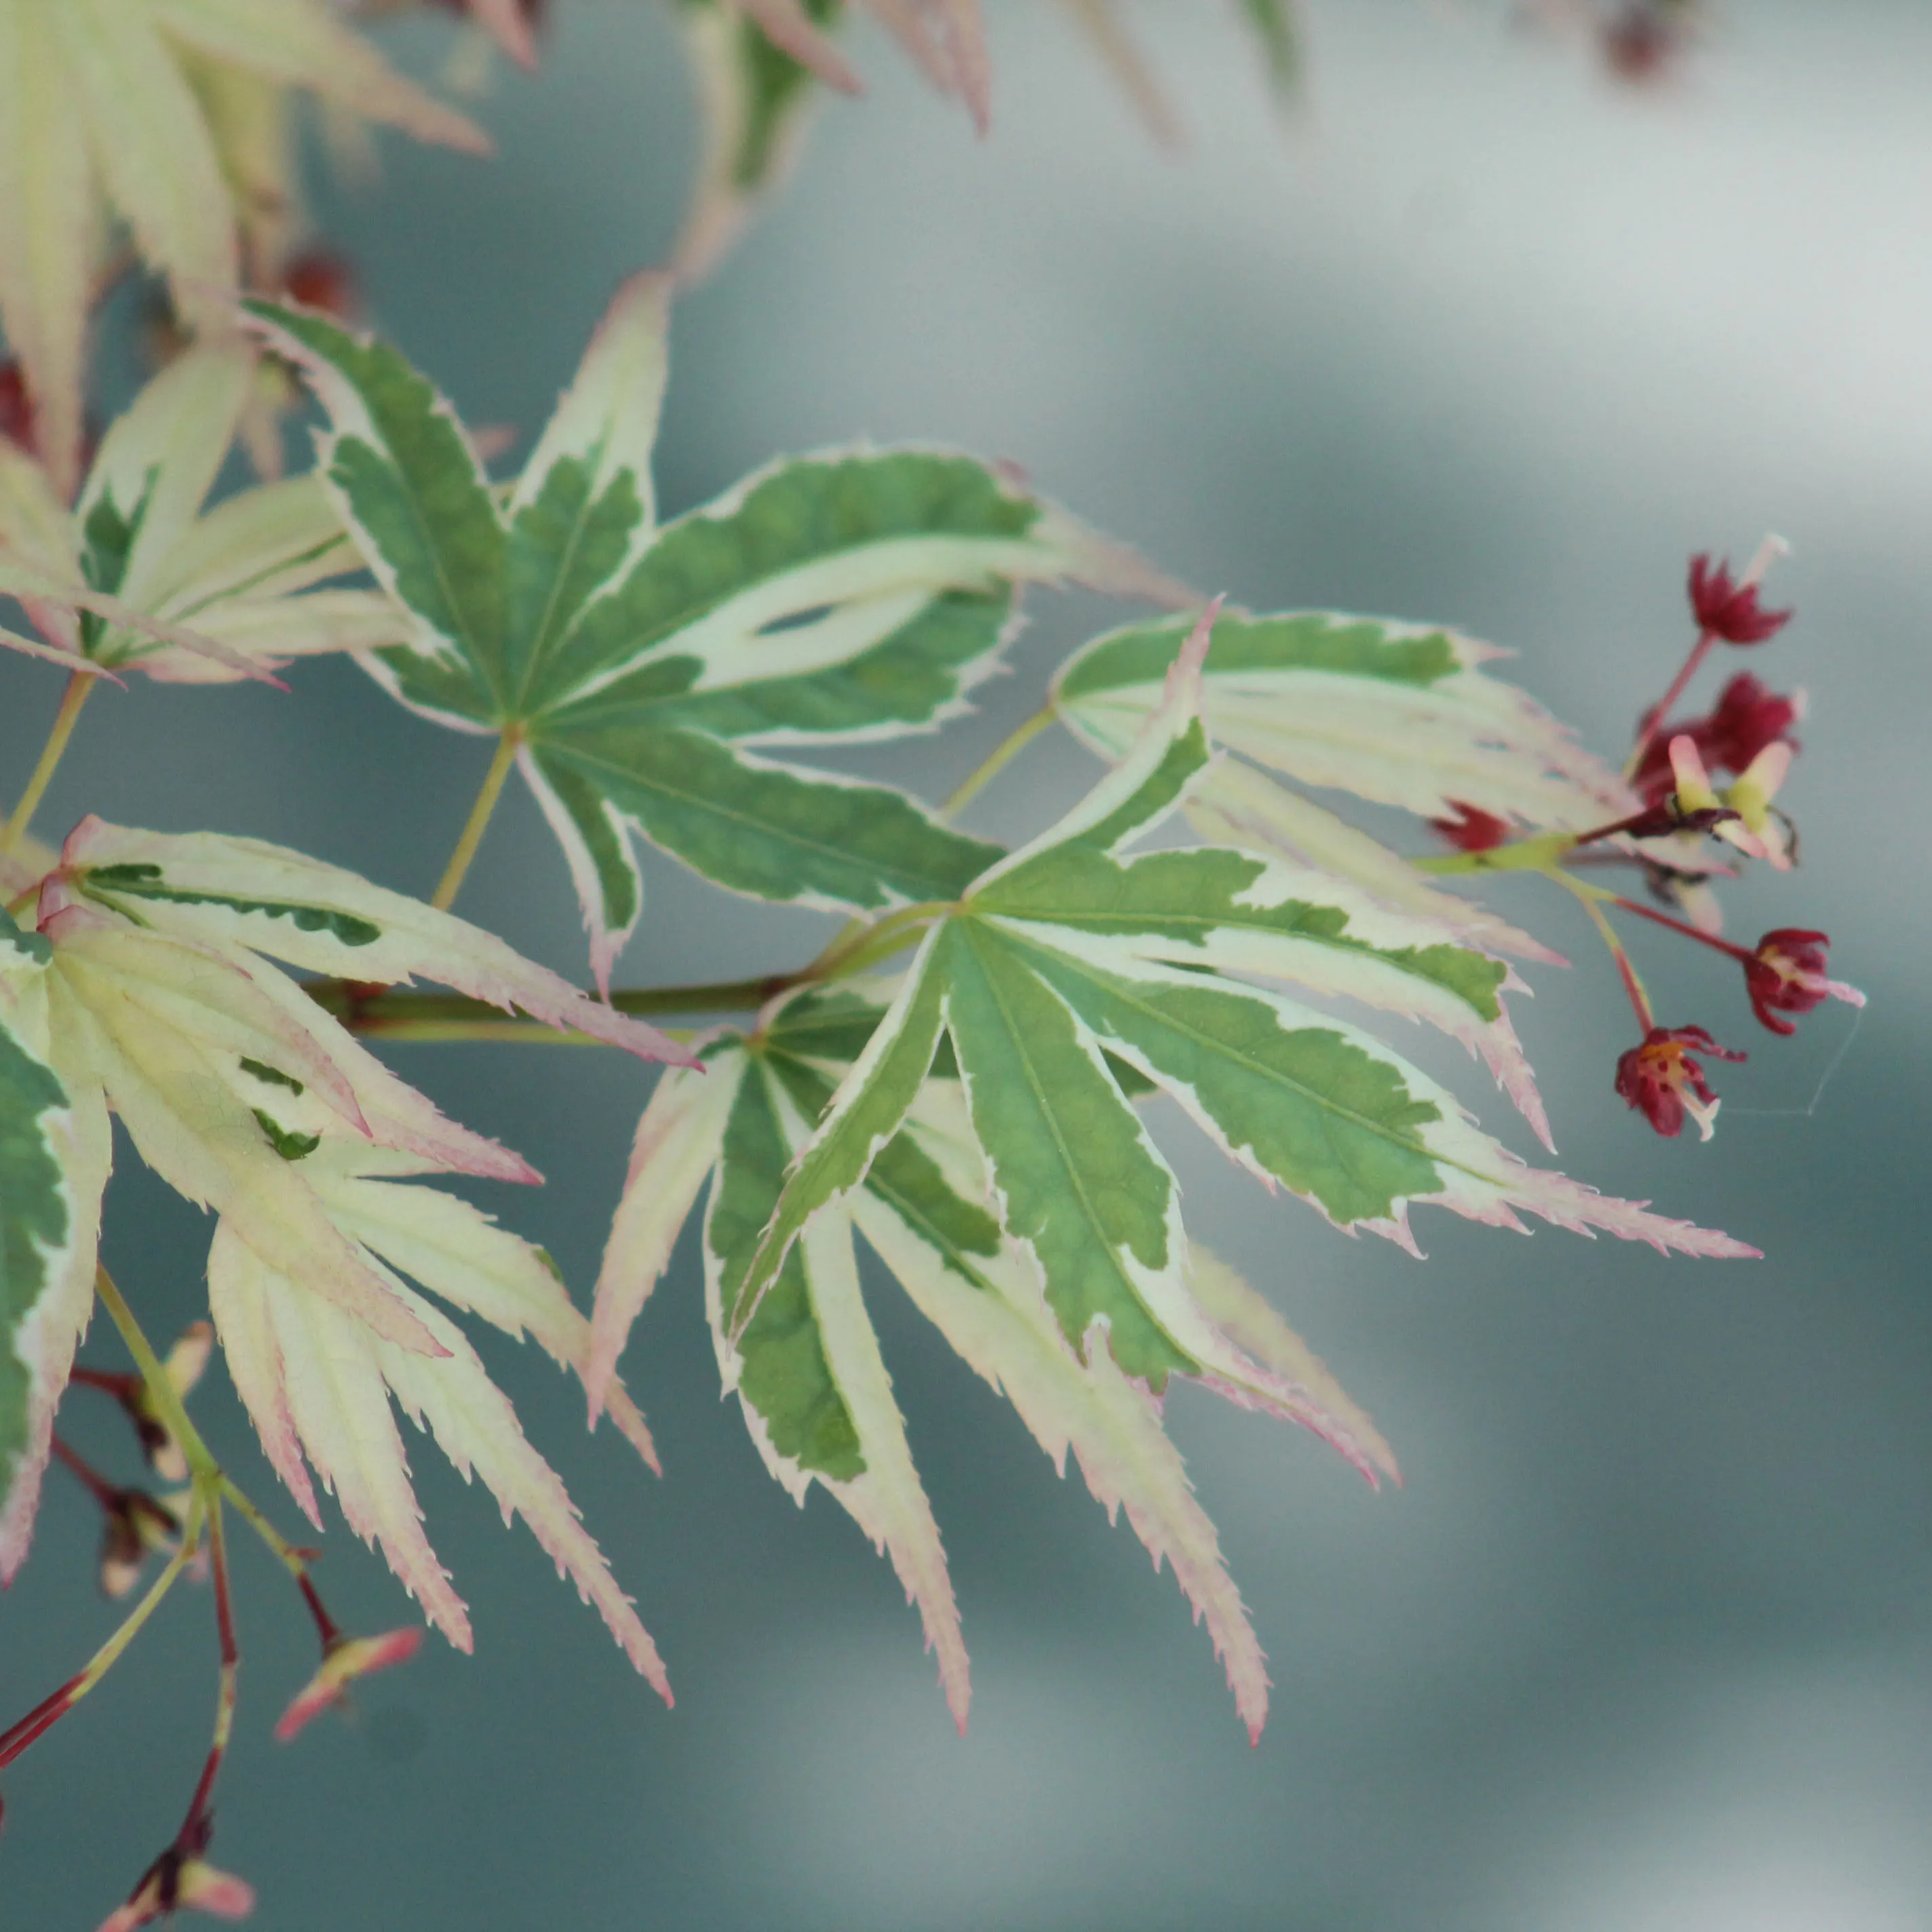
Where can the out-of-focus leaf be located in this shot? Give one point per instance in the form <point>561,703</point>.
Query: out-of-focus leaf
<point>135,576</point>
<point>118,106</point>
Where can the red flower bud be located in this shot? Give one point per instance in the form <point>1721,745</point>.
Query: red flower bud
<point>319,278</point>
<point>1660,1078</point>
<point>16,406</point>
<point>1472,829</point>
<point>1786,975</point>
<point>1728,611</point>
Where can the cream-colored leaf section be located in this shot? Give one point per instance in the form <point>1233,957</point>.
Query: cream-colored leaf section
<point>1161,728</point>
<point>461,1256</point>
<point>310,1371</point>
<point>1002,1327</point>
<point>66,589</point>
<point>887,1502</point>
<point>35,525</point>
<point>1237,804</point>
<point>1251,1322</point>
<point>150,146</point>
<point>48,225</point>
<point>301,43</point>
<point>160,456</point>
<point>258,544</point>
<point>678,1140</point>
<point>251,123</point>
<point>253,1351</point>
<point>396,1115</point>
<point>269,631</point>
<point>123,1001</point>
<point>1465,736</point>
<point>868,592</point>
<point>410,938</point>
<point>609,412</point>
<point>477,1429</point>
<point>32,647</point>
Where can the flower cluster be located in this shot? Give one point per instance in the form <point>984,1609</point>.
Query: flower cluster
<point>1689,778</point>
<point>1746,736</point>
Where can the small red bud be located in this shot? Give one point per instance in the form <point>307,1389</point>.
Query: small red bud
<point>1471,829</point>
<point>1730,610</point>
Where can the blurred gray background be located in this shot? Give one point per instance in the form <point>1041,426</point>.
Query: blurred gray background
<point>1646,1643</point>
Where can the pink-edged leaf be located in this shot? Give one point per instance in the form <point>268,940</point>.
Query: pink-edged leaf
<point>301,44</point>
<point>999,1323</point>
<point>790,29</point>
<point>1252,1324</point>
<point>333,1394</point>
<point>887,1501</point>
<point>477,1429</point>
<point>244,892</point>
<point>676,1145</point>
<point>459,1254</point>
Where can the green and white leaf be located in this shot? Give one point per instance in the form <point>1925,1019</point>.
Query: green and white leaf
<point>52,1171</point>
<point>837,598</point>
<point>1398,714</point>
<point>755,103</point>
<point>1066,960</point>
<point>806,1364</point>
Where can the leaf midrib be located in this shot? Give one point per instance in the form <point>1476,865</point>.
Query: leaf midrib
<point>972,939</point>
<point>1118,989</point>
<point>465,643</point>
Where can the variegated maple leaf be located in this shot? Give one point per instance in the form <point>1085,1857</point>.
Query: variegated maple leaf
<point>806,1365</point>
<point>638,669</point>
<point>149,988</point>
<point>136,576</point>
<point>980,1131</point>
<point>126,110</point>
<point>756,65</point>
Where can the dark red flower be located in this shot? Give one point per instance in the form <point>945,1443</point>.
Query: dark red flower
<point>1786,975</point>
<point>1472,829</point>
<point>319,278</point>
<point>16,406</point>
<point>1661,1078</point>
<point>1730,610</point>
<point>1749,716</point>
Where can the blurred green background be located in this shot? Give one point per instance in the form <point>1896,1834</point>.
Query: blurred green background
<point>1476,336</point>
